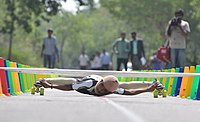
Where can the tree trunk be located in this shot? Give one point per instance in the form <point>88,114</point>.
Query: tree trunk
<point>10,48</point>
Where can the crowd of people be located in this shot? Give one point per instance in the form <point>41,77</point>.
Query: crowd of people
<point>170,55</point>
<point>98,61</point>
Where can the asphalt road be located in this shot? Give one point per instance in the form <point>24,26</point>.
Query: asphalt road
<point>71,106</point>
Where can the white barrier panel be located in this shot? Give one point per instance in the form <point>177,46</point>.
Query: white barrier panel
<point>82,73</point>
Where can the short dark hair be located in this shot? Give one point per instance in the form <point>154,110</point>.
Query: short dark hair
<point>179,11</point>
<point>50,30</point>
<point>133,33</point>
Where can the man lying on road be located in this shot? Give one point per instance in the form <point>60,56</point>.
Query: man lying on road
<point>99,86</point>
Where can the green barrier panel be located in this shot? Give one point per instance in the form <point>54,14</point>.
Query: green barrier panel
<point>119,79</point>
<point>161,79</point>
<point>152,79</point>
<point>145,79</point>
<point>158,79</point>
<point>167,81</point>
<point>10,80</point>
<point>21,79</point>
<point>25,80</point>
<point>140,78</point>
<point>34,77</point>
<point>174,83</point>
<point>195,84</point>
<point>30,79</point>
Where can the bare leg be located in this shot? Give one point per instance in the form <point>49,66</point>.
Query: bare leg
<point>61,81</point>
<point>135,85</point>
<point>64,84</point>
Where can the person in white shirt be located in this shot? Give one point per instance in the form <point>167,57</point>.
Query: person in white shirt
<point>177,32</point>
<point>49,48</point>
<point>83,60</point>
<point>105,60</point>
<point>96,62</point>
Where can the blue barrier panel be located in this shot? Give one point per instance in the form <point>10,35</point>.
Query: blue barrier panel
<point>179,81</point>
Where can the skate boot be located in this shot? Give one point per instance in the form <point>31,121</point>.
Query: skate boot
<point>38,88</point>
<point>159,91</point>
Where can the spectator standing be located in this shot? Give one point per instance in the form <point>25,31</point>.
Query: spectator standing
<point>137,53</point>
<point>105,60</point>
<point>177,32</point>
<point>49,47</point>
<point>56,57</point>
<point>83,61</point>
<point>121,49</point>
<point>97,61</point>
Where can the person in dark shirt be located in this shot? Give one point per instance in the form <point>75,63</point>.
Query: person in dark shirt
<point>137,52</point>
<point>100,86</point>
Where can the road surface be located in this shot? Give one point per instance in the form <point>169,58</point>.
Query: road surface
<point>65,106</point>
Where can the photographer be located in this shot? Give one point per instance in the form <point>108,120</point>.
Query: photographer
<point>177,32</point>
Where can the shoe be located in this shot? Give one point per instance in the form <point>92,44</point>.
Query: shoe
<point>159,86</point>
<point>38,82</point>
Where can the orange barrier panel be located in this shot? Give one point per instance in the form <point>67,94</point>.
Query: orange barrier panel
<point>1,91</point>
<point>164,79</point>
<point>171,79</point>
<point>15,79</point>
<point>158,71</point>
<point>190,81</point>
<point>184,83</point>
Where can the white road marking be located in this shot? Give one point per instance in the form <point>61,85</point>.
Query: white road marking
<point>129,114</point>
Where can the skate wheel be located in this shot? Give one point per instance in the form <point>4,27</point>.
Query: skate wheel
<point>42,91</point>
<point>155,93</point>
<point>164,94</point>
<point>33,90</point>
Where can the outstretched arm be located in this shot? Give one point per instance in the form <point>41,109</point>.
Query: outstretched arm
<point>138,91</point>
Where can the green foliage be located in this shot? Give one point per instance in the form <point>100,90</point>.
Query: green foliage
<point>150,18</point>
<point>91,29</point>
<point>19,13</point>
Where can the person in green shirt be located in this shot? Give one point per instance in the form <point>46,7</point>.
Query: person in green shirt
<point>121,49</point>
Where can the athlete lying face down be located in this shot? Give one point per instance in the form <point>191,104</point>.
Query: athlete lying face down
<point>99,86</point>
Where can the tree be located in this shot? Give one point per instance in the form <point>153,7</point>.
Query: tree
<point>19,13</point>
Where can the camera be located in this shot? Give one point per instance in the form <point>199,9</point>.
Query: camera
<point>175,21</point>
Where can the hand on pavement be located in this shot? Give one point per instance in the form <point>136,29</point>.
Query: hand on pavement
<point>152,86</point>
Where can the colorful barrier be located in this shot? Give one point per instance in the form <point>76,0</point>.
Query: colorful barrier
<point>4,83</point>
<point>184,87</point>
<point>13,83</point>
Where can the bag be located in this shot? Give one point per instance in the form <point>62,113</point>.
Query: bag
<point>163,54</point>
<point>143,61</point>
